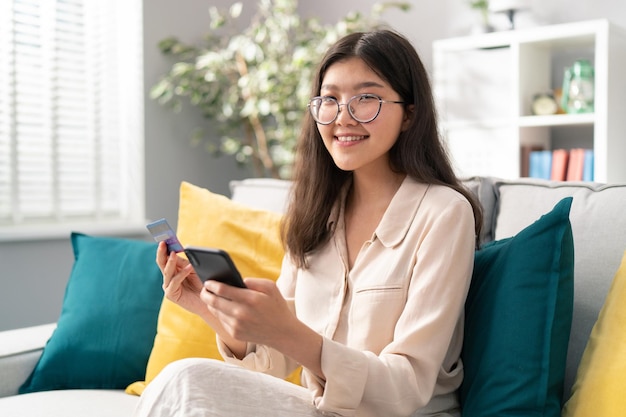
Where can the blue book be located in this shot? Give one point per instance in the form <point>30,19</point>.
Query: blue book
<point>588,165</point>
<point>540,164</point>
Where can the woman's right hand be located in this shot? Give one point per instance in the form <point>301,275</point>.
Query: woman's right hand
<point>181,284</point>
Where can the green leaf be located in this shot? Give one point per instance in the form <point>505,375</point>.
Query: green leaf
<point>235,10</point>
<point>217,19</point>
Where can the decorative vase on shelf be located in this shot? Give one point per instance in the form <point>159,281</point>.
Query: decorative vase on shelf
<point>482,24</point>
<point>578,88</point>
<point>510,8</point>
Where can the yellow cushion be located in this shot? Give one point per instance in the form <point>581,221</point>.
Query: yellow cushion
<point>250,236</point>
<point>600,387</point>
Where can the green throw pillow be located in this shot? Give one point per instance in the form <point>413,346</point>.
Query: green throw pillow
<point>108,322</point>
<point>518,319</point>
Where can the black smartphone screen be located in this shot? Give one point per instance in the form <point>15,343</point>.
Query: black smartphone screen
<point>215,264</point>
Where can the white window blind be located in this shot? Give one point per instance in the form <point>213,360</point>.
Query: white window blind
<point>71,115</point>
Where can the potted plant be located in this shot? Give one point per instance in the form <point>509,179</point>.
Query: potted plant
<point>255,83</point>
<point>483,8</point>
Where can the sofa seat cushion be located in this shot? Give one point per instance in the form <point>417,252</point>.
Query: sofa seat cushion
<point>70,403</point>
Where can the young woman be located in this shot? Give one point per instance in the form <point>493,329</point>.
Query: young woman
<point>380,239</point>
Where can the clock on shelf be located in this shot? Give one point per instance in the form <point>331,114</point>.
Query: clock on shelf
<point>544,104</point>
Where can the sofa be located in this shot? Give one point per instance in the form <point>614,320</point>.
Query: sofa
<point>598,230</point>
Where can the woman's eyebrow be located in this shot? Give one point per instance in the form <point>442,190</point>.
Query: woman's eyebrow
<point>359,86</point>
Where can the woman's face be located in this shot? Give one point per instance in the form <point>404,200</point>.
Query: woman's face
<point>358,146</point>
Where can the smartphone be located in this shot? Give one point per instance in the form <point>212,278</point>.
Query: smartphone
<point>211,263</point>
<point>162,231</point>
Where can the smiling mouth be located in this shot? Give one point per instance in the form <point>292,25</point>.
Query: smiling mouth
<point>350,138</point>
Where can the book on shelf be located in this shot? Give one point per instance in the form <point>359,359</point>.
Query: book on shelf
<point>540,164</point>
<point>558,164</point>
<point>558,171</point>
<point>525,158</point>
<point>576,164</point>
<point>588,165</point>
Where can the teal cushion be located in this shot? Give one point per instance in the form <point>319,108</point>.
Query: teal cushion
<point>518,319</point>
<point>108,322</point>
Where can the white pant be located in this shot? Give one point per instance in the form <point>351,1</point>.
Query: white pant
<point>211,388</point>
<point>207,387</point>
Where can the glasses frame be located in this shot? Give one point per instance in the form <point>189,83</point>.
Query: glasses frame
<point>346,105</point>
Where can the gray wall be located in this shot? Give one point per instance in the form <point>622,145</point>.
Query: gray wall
<point>34,273</point>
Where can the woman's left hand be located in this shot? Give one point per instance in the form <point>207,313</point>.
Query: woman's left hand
<point>257,314</point>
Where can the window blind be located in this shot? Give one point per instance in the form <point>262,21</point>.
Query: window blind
<point>71,113</point>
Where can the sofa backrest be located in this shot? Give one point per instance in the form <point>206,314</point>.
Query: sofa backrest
<point>598,218</point>
<point>261,193</point>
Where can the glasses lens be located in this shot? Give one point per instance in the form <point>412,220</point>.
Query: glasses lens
<point>324,109</point>
<point>364,108</point>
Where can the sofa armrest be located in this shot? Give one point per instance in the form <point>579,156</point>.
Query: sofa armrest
<point>20,350</point>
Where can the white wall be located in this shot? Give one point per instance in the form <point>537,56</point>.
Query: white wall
<point>430,20</point>
<point>34,273</point>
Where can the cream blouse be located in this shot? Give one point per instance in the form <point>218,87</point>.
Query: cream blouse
<point>393,325</point>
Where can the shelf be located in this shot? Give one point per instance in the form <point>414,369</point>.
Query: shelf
<point>492,123</point>
<point>524,121</point>
<point>484,86</point>
<point>565,34</point>
<point>557,120</point>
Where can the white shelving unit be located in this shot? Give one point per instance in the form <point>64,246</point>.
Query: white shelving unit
<point>484,85</point>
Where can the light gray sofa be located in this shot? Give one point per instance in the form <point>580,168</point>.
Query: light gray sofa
<point>599,229</point>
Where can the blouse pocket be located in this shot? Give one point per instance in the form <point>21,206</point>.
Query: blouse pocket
<point>374,314</point>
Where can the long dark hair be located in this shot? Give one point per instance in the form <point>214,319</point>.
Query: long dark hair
<point>418,152</point>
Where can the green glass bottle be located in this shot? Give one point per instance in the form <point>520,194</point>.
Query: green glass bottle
<point>578,88</point>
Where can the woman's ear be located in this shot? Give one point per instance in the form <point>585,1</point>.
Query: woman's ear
<point>409,112</point>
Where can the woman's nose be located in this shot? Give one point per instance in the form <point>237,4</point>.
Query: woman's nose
<point>344,117</point>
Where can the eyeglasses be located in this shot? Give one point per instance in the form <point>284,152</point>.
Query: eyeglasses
<point>363,108</point>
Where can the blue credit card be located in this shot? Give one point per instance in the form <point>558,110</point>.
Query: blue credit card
<point>162,231</point>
